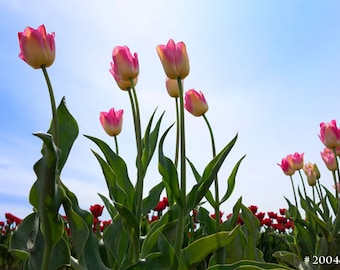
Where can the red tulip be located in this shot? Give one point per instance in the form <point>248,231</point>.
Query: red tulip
<point>37,48</point>
<point>96,210</point>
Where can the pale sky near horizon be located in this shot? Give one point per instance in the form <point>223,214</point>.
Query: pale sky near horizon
<point>269,70</point>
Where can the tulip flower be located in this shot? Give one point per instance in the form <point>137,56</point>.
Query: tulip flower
<point>124,65</point>
<point>37,48</point>
<point>172,87</point>
<point>174,59</point>
<point>195,102</point>
<point>112,121</point>
<point>286,167</point>
<point>296,160</point>
<point>96,210</point>
<point>122,84</point>
<point>311,173</point>
<point>330,134</point>
<point>329,159</point>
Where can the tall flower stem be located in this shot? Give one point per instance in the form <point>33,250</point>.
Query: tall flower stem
<point>116,145</point>
<point>303,184</point>
<point>291,180</point>
<point>338,173</point>
<point>53,107</point>
<point>217,198</point>
<point>182,210</point>
<point>140,173</point>
<point>47,252</point>
<point>177,133</point>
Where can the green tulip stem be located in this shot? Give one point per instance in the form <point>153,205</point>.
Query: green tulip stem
<point>338,174</point>
<point>116,144</point>
<point>140,173</point>
<point>53,106</point>
<point>177,133</point>
<point>217,199</point>
<point>291,180</point>
<point>182,210</point>
<point>303,184</point>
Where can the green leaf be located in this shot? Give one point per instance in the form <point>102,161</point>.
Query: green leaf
<point>249,265</point>
<point>168,171</point>
<point>289,258</point>
<point>119,167</point>
<point>84,242</point>
<point>198,178</point>
<point>201,248</point>
<point>199,190</point>
<point>109,206</point>
<point>231,181</point>
<point>149,141</point>
<point>117,193</point>
<point>68,132</point>
<point>332,200</point>
<point>152,199</point>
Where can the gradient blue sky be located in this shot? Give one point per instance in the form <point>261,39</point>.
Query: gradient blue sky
<point>269,70</point>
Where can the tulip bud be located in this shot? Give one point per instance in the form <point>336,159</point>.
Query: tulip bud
<point>112,121</point>
<point>174,59</point>
<point>124,64</point>
<point>310,171</point>
<point>37,48</point>
<point>172,87</point>
<point>329,159</point>
<point>330,134</point>
<point>195,102</point>
<point>286,167</point>
<point>296,160</point>
<point>122,84</point>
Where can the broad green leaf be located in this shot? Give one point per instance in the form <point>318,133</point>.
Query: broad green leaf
<point>201,248</point>
<point>332,200</point>
<point>168,171</point>
<point>154,261</point>
<point>231,181</point>
<point>152,199</point>
<point>117,193</point>
<point>85,243</point>
<point>109,207</point>
<point>118,166</point>
<point>199,190</point>
<point>289,258</point>
<point>149,141</point>
<point>68,132</point>
<point>167,251</point>
<point>198,178</point>
<point>208,224</point>
<point>248,264</point>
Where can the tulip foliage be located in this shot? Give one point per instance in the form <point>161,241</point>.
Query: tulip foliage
<point>183,235</point>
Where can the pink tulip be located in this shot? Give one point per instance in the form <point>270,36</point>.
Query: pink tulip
<point>122,84</point>
<point>172,87</point>
<point>296,160</point>
<point>195,102</point>
<point>330,134</point>
<point>311,173</point>
<point>37,48</point>
<point>112,121</point>
<point>174,59</point>
<point>286,167</point>
<point>328,157</point>
<point>124,64</point>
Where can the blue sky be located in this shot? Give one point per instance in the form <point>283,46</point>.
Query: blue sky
<point>269,70</point>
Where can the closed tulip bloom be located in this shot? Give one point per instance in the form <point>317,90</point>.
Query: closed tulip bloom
<point>195,102</point>
<point>329,159</point>
<point>174,59</point>
<point>112,121</point>
<point>37,48</point>
<point>172,87</point>
<point>330,134</point>
<point>286,167</point>
<point>122,84</point>
<point>311,173</point>
<point>124,64</point>
<point>296,160</point>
